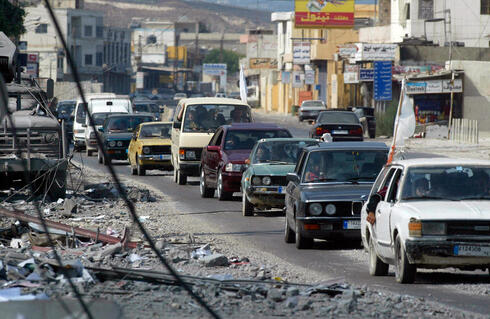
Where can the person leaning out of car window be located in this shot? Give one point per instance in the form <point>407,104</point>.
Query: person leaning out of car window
<point>375,199</point>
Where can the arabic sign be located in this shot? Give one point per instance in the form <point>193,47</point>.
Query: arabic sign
<point>366,75</point>
<point>375,52</point>
<point>309,77</point>
<point>285,77</point>
<point>382,81</point>
<point>32,69</point>
<point>435,87</point>
<point>262,63</point>
<point>348,50</point>
<point>214,69</point>
<point>324,13</point>
<point>297,79</point>
<point>301,52</point>
<point>351,73</point>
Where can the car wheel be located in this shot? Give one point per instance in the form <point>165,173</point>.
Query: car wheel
<point>301,241</point>
<point>376,266</point>
<point>247,207</point>
<point>181,178</point>
<point>140,169</point>
<point>300,119</point>
<point>205,191</point>
<point>222,195</point>
<point>99,156</point>
<point>288,232</point>
<point>88,152</point>
<point>106,161</point>
<point>175,174</point>
<point>404,271</point>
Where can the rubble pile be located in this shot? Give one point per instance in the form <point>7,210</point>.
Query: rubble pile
<point>107,259</point>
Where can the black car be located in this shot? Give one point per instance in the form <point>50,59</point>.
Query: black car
<point>325,193</point>
<point>64,112</point>
<point>367,119</point>
<point>342,125</point>
<point>117,133</point>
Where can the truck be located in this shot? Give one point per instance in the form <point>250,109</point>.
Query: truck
<point>33,144</point>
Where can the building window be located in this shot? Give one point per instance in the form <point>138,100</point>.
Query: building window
<point>99,31</point>
<point>485,6</point>
<point>42,28</point>
<point>151,39</point>
<point>59,63</point>
<point>87,31</point>
<point>88,59</point>
<point>98,58</point>
<point>426,9</point>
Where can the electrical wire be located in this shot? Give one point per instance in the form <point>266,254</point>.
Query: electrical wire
<point>113,174</point>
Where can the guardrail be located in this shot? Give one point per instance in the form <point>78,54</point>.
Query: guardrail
<point>464,131</point>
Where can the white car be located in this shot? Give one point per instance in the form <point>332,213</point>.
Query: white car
<point>179,96</point>
<point>432,213</point>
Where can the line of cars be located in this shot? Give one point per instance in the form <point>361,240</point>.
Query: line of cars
<point>323,188</point>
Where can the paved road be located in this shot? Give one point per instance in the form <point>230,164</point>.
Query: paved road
<point>265,232</point>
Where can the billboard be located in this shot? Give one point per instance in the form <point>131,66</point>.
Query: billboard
<point>262,63</point>
<point>214,69</point>
<point>323,13</point>
<point>301,52</point>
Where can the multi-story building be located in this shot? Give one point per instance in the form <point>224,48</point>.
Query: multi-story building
<point>116,60</point>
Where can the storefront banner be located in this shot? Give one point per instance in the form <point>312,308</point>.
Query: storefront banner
<point>323,13</point>
<point>366,75</point>
<point>301,52</point>
<point>382,81</point>
<point>285,77</point>
<point>351,68</point>
<point>351,77</point>
<point>215,69</point>
<point>415,87</point>
<point>309,77</point>
<point>297,79</point>
<point>375,52</point>
<point>32,70</point>
<point>433,86</point>
<point>456,87</point>
<point>347,51</point>
<point>262,63</point>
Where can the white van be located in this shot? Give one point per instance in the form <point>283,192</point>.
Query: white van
<point>101,108</point>
<point>79,120</point>
<point>195,122</point>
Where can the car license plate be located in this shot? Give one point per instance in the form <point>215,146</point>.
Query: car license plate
<point>281,190</point>
<point>352,224</point>
<point>340,132</point>
<point>470,250</point>
<point>165,157</point>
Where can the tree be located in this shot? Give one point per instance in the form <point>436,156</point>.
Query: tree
<point>229,57</point>
<point>11,19</point>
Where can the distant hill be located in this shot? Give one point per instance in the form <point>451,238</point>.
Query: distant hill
<point>216,17</point>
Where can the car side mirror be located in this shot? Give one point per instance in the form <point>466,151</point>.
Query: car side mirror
<point>292,177</point>
<point>177,125</point>
<point>213,148</point>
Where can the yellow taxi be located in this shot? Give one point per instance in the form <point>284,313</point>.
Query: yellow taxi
<point>150,147</point>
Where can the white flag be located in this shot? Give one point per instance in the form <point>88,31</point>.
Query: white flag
<point>405,120</point>
<point>243,86</point>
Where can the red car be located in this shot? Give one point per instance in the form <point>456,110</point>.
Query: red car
<point>223,160</point>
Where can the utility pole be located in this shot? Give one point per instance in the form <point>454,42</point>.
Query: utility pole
<point>196,50</point>
<point>221,46</point>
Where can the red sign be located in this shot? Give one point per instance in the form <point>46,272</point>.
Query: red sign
<point>32,57</point>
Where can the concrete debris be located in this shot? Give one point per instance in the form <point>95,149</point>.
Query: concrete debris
<point>214,260</point>
<point>70,207</point>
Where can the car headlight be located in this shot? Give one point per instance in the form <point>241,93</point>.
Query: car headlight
<point>119,143</point>
<point>256,180</point>
<point>231,167</point>
<point>146,150</point>
<point>92,135</point>
<point>112,143</point>
<point>330,209</point>
<point>431,228</point>
<point>266,180</point>
<point>190,155</point>
<point>50,138</point>
<point>315,209</point>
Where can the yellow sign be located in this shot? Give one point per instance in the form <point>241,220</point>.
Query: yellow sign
<point>262,63</point>
<point>324,13</point>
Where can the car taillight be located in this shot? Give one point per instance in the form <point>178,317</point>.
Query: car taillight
<point>320,131</point>
<point>357,131</point>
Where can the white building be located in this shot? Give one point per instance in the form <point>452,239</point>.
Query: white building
<point>83,31</point>
<point>284,22</point>
<point>441,21</point>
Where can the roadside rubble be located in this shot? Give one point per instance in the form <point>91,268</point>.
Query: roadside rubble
<point>108,260</point>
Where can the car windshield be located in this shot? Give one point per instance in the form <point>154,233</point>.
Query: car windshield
<point>99,118</point>
<point>149,108</point>
<point>447,182</point>
<point>338,117</point>
<point>155,131</point>
<point>66,108</point>
<point>126,124</point>
<point>208,117</point>
<point>313,104</point>
<point>279,152</point>
<point>350,166</point>
<point>245,139</point>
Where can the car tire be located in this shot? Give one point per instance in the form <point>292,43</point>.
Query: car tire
<point>181,178</point>
<point>376,266</point>
<point>300,119</point>
<point>140,170</point>
<point>99,156</point>
<point>222,195</point>
<point>404,271</point>
<point>88,152</point>
<point>106,161</point>
<point>301,241</point>
<point>134,170</point>
<point>247,207</point>
<point>175,174</point>
<point>372,135</point>
<point>289,235</point>
<point>205,191</point>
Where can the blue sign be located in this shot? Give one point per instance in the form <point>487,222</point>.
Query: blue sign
<point>382,81</point>
<point>366,75</point>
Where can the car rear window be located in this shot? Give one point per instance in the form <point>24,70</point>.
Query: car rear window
<point>246,139</point>
<point>208,117</point>
<point>338,117</point>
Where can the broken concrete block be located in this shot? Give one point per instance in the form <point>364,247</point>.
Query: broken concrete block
<point>214,260</point>
<point>109,250</point>
<point>275,295</point>
<point>69,207</point>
